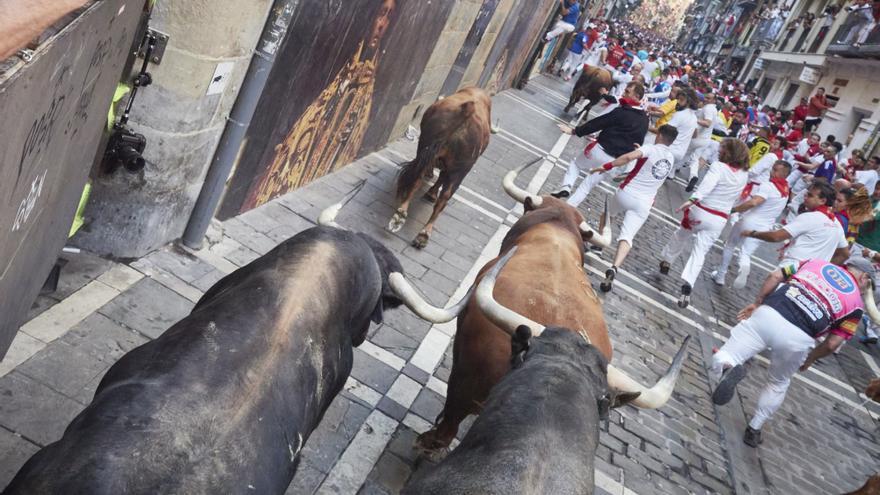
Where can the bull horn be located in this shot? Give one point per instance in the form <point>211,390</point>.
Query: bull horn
<point>871,305</point>
<point>657,395</point>
<point>502,317</point>
<point>604,240</point>
<point>515,191</point>
<point>422,308</point>
<point>327,218</point>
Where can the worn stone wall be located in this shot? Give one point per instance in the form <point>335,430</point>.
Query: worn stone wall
<point>129,215</point>
<point>448,45</point>
<point>472,75</point>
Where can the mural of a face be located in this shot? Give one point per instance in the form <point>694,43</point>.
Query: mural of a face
<point>381,23</point>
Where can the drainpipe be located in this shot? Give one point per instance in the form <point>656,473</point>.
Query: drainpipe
<point>239,120</point>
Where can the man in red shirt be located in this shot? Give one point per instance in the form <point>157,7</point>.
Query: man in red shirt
<point>616,54</point>
<point>818,105</point>
<point>800,111</point>
<point>797,133</point>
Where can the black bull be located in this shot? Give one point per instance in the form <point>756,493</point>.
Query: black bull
<point>539,430</point>
<point>224,400</point>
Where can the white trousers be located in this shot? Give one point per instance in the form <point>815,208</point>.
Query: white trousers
<point>705,230</point>
<point>789,345</point>
<point>573,63</point>
<point>746,245</point>
<point>596,158</point>
<point>559,28</point>
<point>693,154</point>
<point>635,211</point>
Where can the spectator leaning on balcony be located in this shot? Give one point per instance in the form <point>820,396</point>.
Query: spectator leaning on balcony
<point>570,13</point>
<point>818,105</point>
<point>863,12</point>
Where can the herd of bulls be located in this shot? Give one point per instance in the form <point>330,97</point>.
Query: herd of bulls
<point>225,399</point>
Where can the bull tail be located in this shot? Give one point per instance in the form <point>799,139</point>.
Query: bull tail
<point>657,395</point>
<point>430,144</point>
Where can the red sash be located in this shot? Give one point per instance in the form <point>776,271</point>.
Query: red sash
<point>747,191</point>
<point>590,147</point>
<point>688,224</point>
<point>630,176</point>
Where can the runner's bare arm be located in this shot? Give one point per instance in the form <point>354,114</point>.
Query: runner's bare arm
<point>768,236</point>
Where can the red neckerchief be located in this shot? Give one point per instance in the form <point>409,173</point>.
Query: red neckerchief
<point>629,102</point>
<point>781,185</point>
<point>778,154</point>
<point>827,211</point>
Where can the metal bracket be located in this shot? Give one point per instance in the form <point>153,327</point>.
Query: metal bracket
<point>26,54</point>
<point>158,50</point>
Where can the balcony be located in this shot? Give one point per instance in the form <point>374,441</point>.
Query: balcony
<point>855,38</point>
<point>767,32</point>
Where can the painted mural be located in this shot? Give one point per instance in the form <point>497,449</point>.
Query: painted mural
<point>329,102</point>
<point>342,77</point>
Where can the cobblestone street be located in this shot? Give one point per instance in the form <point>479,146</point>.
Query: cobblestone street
<point>824,439</point>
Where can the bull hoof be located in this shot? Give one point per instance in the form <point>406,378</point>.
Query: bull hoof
<point>430,447</point>
<point>420,241</point>
<point>431,198</point>
<point>567,109</point>
<point>397,221</point>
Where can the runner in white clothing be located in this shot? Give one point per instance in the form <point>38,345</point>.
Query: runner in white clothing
<point>815,234</point>
<point>706,117</point>
<point>685,120</point>
<point>706,213</point>
<point>760,212</point>
<point>636,194</point>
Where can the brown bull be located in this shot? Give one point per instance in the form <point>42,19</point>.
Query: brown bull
<point>544,281</point>
<point>871,487</point>
<point>590,85</point>
<point>873,390</point>
<point>454,133</point>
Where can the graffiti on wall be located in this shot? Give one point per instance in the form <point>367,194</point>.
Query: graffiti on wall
<point>62,98</point>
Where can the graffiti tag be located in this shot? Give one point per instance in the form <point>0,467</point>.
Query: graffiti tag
<point>27,205</point>
<point>39,133</point>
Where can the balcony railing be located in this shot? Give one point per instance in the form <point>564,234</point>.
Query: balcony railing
<point>858,36</point>
<point>767,31</point>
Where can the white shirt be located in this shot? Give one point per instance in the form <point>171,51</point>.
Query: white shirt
<point>622,79</point>
<point>721,187</point>
<point>815,237</point>
<point>760,171</point>
<point>686,123</point>
<point>710,113</point>
<point>764,215</point>
<point>803,147</point>
<point>869,178</point>
<point>650,172</point>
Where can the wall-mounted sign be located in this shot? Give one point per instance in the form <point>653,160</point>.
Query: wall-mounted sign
<point>759,64</point>
<point>810,75</point>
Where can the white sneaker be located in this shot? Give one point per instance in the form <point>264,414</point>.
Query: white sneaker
<point>717,277</point>
<point>741,279</point>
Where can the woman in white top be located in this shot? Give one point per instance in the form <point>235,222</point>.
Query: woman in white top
<point>706,213</point>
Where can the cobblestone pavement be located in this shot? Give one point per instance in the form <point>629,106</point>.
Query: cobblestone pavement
<point>823,440</point>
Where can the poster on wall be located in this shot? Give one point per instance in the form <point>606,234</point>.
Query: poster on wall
<point>58,103</point>
<point>810,75</point>
<point>340,80</point>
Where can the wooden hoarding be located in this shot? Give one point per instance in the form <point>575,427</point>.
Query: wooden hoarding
<point>55,111</point>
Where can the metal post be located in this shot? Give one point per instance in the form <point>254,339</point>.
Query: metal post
<point>239,120</point>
